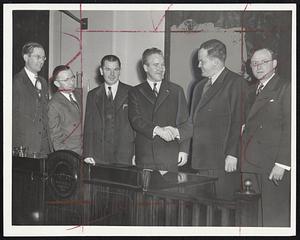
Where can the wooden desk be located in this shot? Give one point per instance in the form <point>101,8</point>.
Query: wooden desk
<point>62,190</point>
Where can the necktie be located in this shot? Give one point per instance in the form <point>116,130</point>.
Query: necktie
<point>155,91</point>
<point>38,86</point>
<point>206,86</point>
<point>73,101</point>
<point>109,94</point>
<point>259,88</point>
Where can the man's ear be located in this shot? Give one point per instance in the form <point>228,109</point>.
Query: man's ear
<point>145,67</point>
<point>274,63</point>
<point>25,57</point>
<point>101,71</point>
<point>57,83</point>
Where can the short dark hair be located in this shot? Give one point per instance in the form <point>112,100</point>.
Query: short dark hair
<point>149,52</point>
<point>274,55</point>
<point>58,69</point>
<point>29,47</point>
<point>110,58</point>
<point>215,48</point>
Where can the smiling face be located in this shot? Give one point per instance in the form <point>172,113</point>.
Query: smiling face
<point>262,64</point>
<point>65,81</point>
<point>155,67</point>
<point>110,72</point>
<point>34,61</point>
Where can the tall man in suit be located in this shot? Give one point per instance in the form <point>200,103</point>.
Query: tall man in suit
<point>158,113</point>
<point>267,139</point>
<point>30,100</point>
<point>216,117</point>
<point>64,112</point>
<point>108,136</point>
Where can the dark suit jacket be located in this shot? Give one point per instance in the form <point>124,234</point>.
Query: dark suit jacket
<point>29,114</point>
<point>267,134</point>
<point>266,141</point>
<point>93,140</point>
<point>65,123</point>
<point>146,112</point>
<point>217,119</point>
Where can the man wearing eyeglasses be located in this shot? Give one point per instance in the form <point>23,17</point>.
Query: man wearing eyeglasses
<point>267,139</point>
<point>108,136</point>
<point>30,99</point>
<point>65,112</point>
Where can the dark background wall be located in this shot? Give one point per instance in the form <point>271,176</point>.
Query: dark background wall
<point>29,25</point>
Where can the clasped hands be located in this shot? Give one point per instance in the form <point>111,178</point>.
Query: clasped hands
<point>167,133</point>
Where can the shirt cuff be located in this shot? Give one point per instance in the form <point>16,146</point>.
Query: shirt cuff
<point>283,166</point>
<point>154,133</point>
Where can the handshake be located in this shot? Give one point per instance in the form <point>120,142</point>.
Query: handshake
<point>168,133</point>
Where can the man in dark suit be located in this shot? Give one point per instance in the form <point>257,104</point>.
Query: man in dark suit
<point>267,140</point>
<point>64,112</point>
<point>158,113</point>
<point>30,99</point>
<point>108,136</point>
<point>216,117</point>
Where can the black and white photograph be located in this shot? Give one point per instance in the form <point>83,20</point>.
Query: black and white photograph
<point>149,119</point>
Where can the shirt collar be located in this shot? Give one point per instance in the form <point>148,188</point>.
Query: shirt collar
<point>114,88</point>
<point>216,75</point>
<point>31,76</point>
<point>264,83</point>
<point>151,83</point>
<point>67,95</point>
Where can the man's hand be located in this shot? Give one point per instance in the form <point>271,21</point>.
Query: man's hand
<point>276,174</point>
<point>174,131</point>
<point>182,158</point>
<point>90,160</point>
<point>133,160</point>
<point>164,133</point>
<point>230,163</point>
<point>181,177</point>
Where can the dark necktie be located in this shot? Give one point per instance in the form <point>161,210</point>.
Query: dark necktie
<point>155,91</point>
<point>206,86</point>
<point>259,88</point>
<point>109,94</point>
<point>38,86</point>
<point>73,101</point>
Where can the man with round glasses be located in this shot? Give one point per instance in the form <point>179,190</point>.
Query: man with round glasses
<point>30,99</point>
<point>267,139</point>
<point>65,112</point>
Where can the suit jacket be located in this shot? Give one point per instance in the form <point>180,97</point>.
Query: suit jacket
<point>267,134</point>
<point>65,123</point>
<point>29,116</point>
<point>93,139</point>
<point>146,112</point>
<point>217,119</point>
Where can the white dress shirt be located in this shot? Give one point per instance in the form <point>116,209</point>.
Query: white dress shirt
<point>152,84</point>
<point>114,88</point>
<point>31,76</point>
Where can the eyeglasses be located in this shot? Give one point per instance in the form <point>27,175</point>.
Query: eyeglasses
<point>256,63</point>
<point>67,79</point>
<point>38,57</point>
<point>108,69</point>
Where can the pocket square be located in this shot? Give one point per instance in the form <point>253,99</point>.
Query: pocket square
<point>272,100</point>
<point>125,105</point>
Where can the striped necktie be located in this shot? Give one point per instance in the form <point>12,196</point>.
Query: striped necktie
<point>73,101</point>
<point>110,95</point>
<point>38,86</point>
<point>259,88</point>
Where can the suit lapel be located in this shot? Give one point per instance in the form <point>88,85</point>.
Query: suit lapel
<point>100,94</point>
<point>217,85</point>
<point>78,98</point>
<point>120,97</point>
<point>27,82</point>
<point>267,94</point>
<point>164,92</point>
<point>147,92</point>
